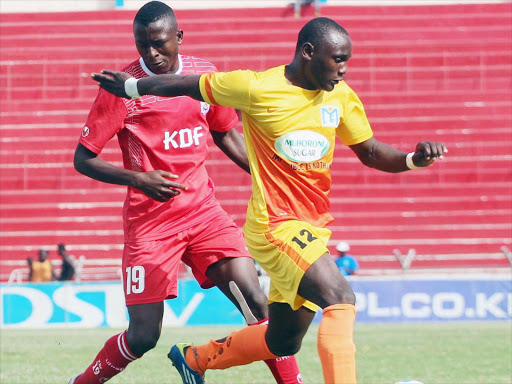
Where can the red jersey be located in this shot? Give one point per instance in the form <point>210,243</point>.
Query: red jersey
<point>166,133</point>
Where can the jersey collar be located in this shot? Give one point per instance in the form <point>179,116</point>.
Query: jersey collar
<point>150,73</point>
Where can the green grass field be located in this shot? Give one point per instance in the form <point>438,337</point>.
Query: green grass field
<point>456,353</point>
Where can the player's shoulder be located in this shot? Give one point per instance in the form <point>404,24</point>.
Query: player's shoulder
<point>343,87</point>
<point>273,76</point>
<point>135,69</point>
<point>192,65</point>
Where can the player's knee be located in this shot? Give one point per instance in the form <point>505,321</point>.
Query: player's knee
<point>285,348</point>
<point>348,298</point>
<point>335,295</point>
<point>142,341</point>
<point>257,302</point>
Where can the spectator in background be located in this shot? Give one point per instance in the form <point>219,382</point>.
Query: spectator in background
<point>298,4</point>
<point>68,264</point>
<point>345,262</point>
<point>41,270</point>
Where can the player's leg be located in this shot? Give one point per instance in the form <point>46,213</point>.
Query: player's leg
<point>312,276</point>
<point>248,345</point>
<point>149,277</point>
<point>122,349</point>
<point>145,327</point>
<point>237,278</point>
<point>241,271</point>
<point>218,256</point>
<point>287,328</point>
<point>287,254</point>
<point>324,285</point>
<point>281,337</point>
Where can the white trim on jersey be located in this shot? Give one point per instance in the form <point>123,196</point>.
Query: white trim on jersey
<point>150,73</point>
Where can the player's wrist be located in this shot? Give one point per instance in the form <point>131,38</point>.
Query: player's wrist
<point>409,161</point>
<point>130,87</point>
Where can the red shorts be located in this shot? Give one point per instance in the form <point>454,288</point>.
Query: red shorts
<point>150,268</point>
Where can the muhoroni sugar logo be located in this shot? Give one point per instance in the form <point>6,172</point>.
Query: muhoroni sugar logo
<point>302,146</point>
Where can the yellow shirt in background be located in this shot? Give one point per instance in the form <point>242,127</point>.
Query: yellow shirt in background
<point>41,271</point>
<point>290,134</point>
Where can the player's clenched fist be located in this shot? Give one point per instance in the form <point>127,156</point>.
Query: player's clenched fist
<point>427,152</point>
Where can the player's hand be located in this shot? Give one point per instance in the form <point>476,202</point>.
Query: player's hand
<point>427,152</point>
<point>112,81</point>
<point>156,184</point>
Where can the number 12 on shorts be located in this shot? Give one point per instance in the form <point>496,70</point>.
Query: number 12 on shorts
<point>135,279</point>
<point>306,236</point>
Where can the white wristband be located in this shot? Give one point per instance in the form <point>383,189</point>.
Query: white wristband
<point>130,87</point>
<point>409,162</point>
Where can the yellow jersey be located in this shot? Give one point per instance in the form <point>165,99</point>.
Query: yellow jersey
<point>42,271</point>
<point>290,134</point>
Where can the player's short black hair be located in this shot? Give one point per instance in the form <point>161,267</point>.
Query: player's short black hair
<point>154,11</point>
<point>316,30</point>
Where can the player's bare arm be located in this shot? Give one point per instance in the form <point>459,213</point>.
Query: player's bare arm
<point>383,157</point>
<point>161,85</point>
<point>155,184</point>
<point>233,145</point>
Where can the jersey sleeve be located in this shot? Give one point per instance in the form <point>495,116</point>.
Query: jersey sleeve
<point>221,119</point>
<point>355,127</point>
<point>105,119</point>
<point>230,89</point>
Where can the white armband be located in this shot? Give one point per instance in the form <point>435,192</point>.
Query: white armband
<point>409,162</point>
<point>130,87</point>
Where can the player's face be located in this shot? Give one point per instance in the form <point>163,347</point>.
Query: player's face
<point>158,44</point>
<point>43,255</point>
<point>328,62</point>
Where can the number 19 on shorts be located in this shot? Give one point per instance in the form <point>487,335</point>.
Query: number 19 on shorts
<point>135,279</point>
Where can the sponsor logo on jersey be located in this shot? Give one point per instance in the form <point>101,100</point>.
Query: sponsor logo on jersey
<point>330,116</point>
<point>85,131</point>
<point>205,107</point>
<point>302,146</point>
<point>183,138</point>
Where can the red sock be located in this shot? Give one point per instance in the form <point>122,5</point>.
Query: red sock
<point>111,360</point>
<point>285,368</point>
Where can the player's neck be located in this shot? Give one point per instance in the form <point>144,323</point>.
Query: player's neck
<point>295,76</point>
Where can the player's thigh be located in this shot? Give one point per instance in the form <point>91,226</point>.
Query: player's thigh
<point>145,317</point>
<point>150,269</point>
<point>240,271</point>
<point>286,253</point>
<point>212,245</point>
<point>324,285</point>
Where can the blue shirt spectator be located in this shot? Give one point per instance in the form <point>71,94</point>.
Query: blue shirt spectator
<point>345,262</point>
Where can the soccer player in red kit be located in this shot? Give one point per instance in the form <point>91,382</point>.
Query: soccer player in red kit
<point>170,212</point>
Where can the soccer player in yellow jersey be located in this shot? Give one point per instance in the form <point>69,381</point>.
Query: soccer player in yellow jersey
<point>291,115</point>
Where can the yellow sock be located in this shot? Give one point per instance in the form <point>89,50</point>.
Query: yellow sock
<point>336,344</point>
<point>239,348</point>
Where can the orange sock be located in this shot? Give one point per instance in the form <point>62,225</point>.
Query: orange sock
<point>239,348</point>
<point>336,344</point>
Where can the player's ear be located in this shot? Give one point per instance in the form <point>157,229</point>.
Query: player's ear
<point>179,36</point>
<point>307,51</point>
